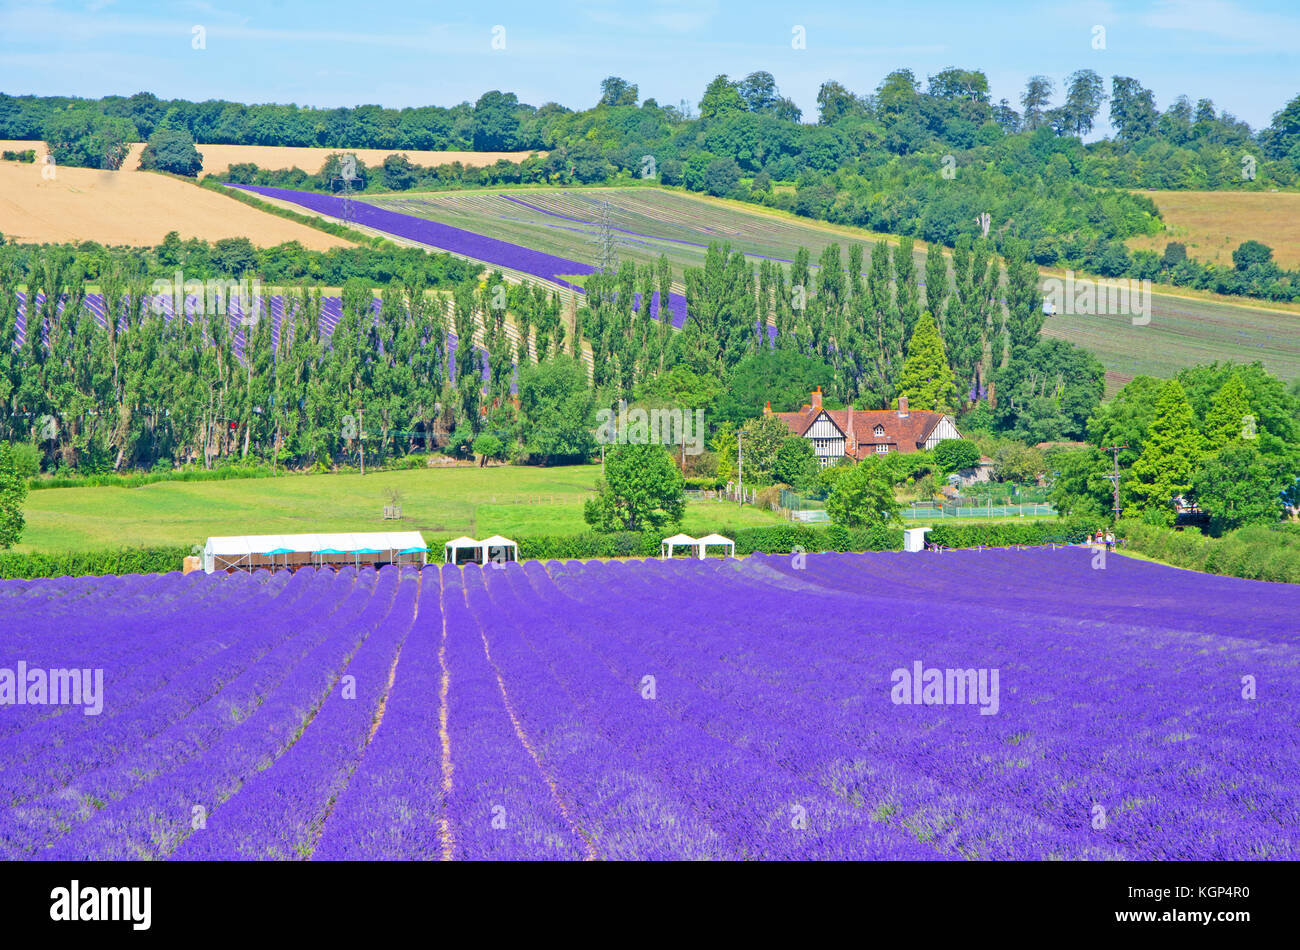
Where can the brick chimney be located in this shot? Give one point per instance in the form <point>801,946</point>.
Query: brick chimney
<point>902,407</point>
<point>817,399</point>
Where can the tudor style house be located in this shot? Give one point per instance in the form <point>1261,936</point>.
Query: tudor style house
<point>857,433</point>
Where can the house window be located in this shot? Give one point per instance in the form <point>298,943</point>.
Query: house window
<point>880,430</point>
<point>882,449</point>
<point>828,447</point>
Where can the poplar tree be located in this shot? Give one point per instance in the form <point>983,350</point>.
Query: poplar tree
<point>936,284</point>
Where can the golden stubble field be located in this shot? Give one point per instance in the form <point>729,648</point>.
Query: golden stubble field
<point>82,204</point>
<point>218,158</point>
<point>1213,223</point>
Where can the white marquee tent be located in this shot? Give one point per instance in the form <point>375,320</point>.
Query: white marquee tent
<point>676,541</point>
<point>509,551</point>
<point>452,548</point>
<point>291,551</point>
<point>716,540</point>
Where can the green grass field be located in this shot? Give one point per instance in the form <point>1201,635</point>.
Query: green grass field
<point>509,500</point>
<point>1186,328</point>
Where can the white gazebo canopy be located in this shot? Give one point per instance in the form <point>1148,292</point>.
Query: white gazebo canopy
<point>460,544</point>
<point>509,550</point>
<point>716,540</point>
<point>676,541</point>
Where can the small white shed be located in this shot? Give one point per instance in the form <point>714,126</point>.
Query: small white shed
<point>914,539</point>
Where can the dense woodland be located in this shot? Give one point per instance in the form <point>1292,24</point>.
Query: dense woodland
<point>917,158</point>
<point>143,391</point>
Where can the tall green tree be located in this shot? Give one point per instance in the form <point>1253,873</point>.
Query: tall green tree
<point>1229,418</point>
<point>557,410</point>
<point>172,150</point>
<point>926,379</point>
<point>760,441</point>
<point>1237,486</point>
<point>1170,455</point>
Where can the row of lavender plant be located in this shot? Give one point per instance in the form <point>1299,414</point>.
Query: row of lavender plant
<point>228,740</point>
<point>129,661</point>
<point>52,751</point>
<point>1169,797</point>
<point>392,806</point>
<point>279,811</point>
<point>500,803</point>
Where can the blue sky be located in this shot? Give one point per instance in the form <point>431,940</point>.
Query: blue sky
<point>1242,54</point>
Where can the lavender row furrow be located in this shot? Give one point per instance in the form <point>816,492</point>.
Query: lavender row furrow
<point>102,739</point>
<point>153,820</point>
<point>499,805</point>
<point>277,813</point>
<point>392,805</point>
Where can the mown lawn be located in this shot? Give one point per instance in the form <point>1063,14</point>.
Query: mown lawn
<point>509,500</point>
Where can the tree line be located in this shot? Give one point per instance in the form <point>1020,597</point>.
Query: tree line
<point>918,158</point>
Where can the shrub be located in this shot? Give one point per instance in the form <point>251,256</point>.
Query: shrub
<point>1006,534</point>
<point>160,560</point>
<point>1266,553</point>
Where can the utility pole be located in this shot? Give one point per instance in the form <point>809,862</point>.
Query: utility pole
<point>1114,478</point>
<point>740,471</point>
<point>361,438</point>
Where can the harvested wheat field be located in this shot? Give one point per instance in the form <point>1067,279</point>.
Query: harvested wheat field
<point>1213,223</point>
<point>220,157</point>
<point>82,204</point>
<point>217,158</point>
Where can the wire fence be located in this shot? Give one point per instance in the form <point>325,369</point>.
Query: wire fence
<point>931,511</point>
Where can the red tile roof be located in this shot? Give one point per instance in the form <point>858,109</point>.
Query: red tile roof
<point>902,434</point>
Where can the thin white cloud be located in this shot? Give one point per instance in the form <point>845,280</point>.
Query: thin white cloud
<point>1229,22</point>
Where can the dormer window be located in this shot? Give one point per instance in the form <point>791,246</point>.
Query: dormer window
<point>879,430</point>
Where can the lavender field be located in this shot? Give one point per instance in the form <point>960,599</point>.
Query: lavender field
<point>762,708</point>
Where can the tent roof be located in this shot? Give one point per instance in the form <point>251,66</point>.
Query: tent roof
<point>497,541</point>
<point>715,539</point>
<point>679,539</point>
<point>259,544</point>
<point>461,542</point>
